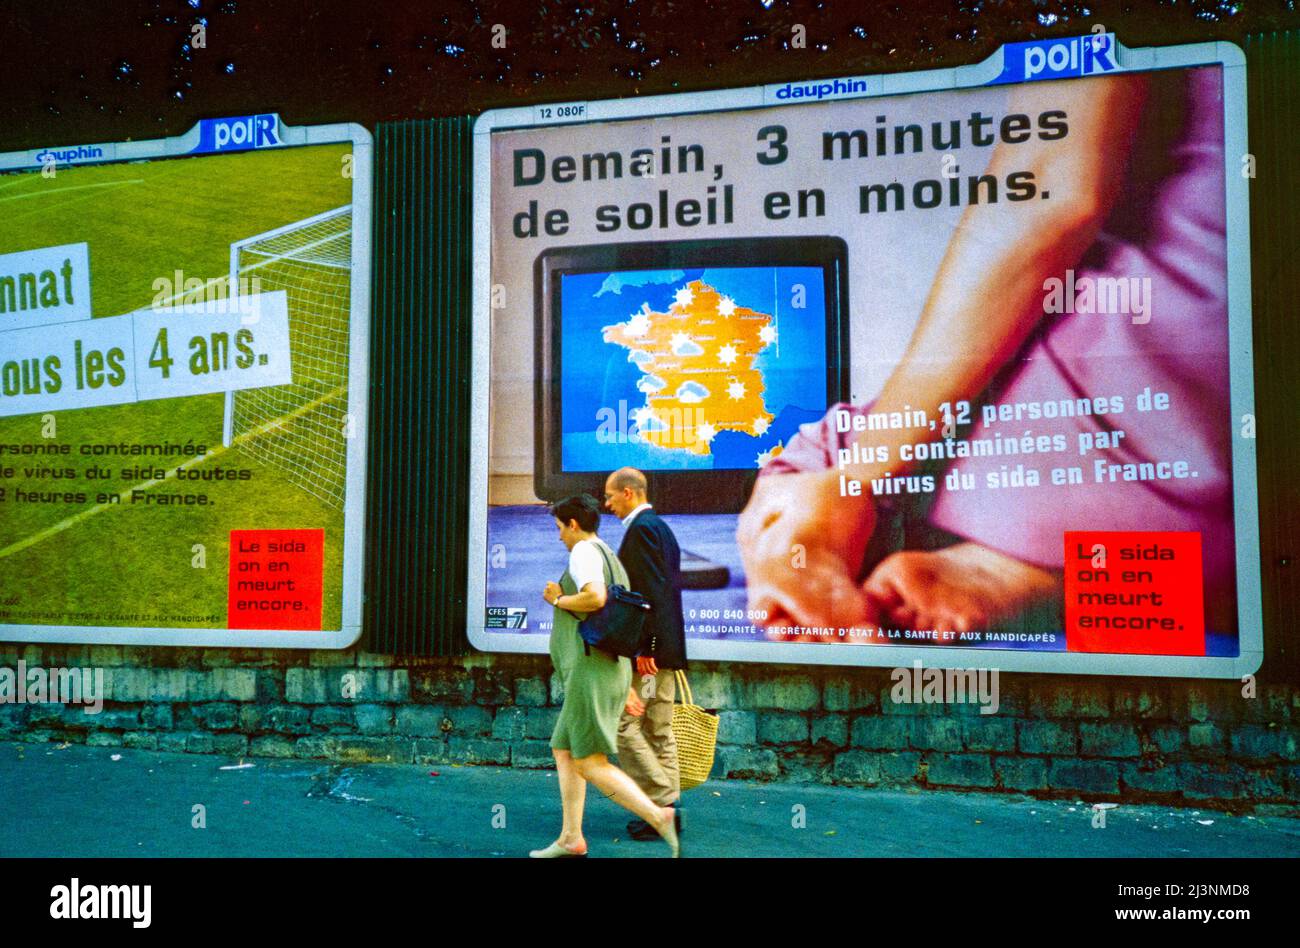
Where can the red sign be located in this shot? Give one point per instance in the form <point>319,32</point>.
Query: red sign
<point>1135,592</point>
<point>276,579</point>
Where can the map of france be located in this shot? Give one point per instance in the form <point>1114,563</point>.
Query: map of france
<point>698,368</point>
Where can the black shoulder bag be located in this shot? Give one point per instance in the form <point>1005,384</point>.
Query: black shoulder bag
<point>617,627</point>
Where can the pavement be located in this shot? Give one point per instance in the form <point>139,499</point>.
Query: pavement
<point>73,800</point>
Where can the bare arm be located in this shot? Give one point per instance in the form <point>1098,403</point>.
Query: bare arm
<point>590,599</point>
<point>987,296</point>
<point>801,541</point>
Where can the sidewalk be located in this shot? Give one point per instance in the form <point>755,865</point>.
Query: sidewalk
<point>78,801</point>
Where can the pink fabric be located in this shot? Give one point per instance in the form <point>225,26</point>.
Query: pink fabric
<point>1168,225</point>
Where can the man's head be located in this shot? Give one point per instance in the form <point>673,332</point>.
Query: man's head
<point>624,491</point>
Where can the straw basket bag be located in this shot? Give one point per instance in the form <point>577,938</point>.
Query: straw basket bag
<point>696,733</point>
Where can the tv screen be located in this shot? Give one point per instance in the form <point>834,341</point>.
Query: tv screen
<point>689,369</point>
<point>692,361</point>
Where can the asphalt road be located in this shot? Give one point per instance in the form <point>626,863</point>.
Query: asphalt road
<point>72,800</point>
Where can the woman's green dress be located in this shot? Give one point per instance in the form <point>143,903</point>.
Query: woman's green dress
<point>595,683</point>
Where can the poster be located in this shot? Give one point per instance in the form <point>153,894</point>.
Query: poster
<point>952,365</point>
<point>183,350</point>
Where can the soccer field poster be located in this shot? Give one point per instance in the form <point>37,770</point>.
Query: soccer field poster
<point>950,366</point>
<point>183,356</point>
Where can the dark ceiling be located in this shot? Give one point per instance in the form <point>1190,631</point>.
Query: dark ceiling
<point>95,71</point>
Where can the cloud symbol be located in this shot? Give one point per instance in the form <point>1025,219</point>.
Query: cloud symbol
<point>684,345</point>
<point>650,383</point>
<point>691,392</point>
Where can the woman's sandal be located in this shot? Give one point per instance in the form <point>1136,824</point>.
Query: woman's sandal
<point>555,851</point>
<point>669,833</point>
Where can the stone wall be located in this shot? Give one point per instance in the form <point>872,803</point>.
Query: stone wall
<point>1172,741</point>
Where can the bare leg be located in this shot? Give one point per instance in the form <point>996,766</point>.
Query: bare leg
<point>573,797</point>
<point>622,789</point>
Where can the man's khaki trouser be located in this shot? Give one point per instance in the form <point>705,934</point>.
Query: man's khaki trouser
<point>647,751</point>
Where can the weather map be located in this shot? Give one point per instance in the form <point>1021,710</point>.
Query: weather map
<point>709,368</point>
<point>698,364</point>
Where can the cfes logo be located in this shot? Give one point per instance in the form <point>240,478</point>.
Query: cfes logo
<point>237,134</point>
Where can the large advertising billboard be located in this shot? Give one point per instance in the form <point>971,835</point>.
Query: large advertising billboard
<point>183,355</point>
<point>951,365</point>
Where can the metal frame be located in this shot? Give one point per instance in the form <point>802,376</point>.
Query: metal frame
<point>1245,501</point>
<point>196,142</point>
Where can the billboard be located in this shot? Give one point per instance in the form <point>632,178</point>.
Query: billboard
<point>950,364</point>
<point>183,356</point>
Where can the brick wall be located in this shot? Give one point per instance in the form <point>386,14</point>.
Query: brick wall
<point>1169,741</point>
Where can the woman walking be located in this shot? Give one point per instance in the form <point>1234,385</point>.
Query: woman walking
<point>597,685</point>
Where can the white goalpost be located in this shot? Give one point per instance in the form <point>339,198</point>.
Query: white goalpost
<point>299,428</point>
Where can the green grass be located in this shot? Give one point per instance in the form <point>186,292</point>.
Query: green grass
<point>151,220</point>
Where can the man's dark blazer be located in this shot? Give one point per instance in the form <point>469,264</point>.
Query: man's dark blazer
<point>653,561</point>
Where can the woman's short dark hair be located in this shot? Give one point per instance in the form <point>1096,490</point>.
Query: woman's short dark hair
<point>580,507</point>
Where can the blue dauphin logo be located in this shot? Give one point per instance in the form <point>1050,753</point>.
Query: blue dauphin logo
<point>239,134</point>
<point>822,90</point>
<point>69,156</point>
<point>1058,58</point>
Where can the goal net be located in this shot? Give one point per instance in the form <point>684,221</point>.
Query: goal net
<point>299,428</point>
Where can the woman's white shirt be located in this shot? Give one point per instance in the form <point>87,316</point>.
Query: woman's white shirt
<point>586,563</point>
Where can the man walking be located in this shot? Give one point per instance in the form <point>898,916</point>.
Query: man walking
<point>649,553</point>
